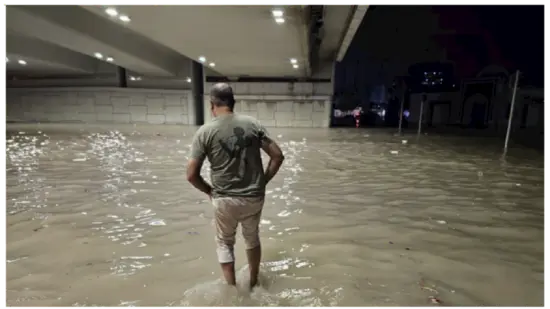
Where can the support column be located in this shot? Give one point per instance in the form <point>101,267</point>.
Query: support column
<point>333,95</point>
<point>197,89</point>
<point>333,77</point>
<point>121,76</point>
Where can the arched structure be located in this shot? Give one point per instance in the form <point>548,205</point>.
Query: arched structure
<point>493,71</point>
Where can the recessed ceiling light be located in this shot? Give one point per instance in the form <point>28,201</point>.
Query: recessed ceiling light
<point>212,64</point>
<point>293,61</point>
<point>22,62</point>
<point>138,78</point>
<point>189,79</point>
<point>111,12</point>
<point>202,59</point>
<point>295,66</point>
<point>280,20</point>
<point>98,55</point>
<point>110,59</point>
<point>124,18</point>
<point>277,13</point>
<point>132,78</point>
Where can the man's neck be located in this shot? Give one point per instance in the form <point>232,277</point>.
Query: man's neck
<point>223,112</point>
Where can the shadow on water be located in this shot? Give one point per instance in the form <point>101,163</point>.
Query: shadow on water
<point>103,216</point>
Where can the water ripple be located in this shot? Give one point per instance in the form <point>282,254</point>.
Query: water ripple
<point>102,217</point>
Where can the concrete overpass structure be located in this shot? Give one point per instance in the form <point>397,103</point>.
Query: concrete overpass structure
<point>279,59</point>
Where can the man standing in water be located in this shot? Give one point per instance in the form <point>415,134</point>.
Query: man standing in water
<point>232,144</point>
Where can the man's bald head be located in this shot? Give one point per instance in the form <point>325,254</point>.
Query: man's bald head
<point>221,94</point>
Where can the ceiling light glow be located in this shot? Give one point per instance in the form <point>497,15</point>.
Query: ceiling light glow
<point>110,59</point>
<point>277,13</point>
<point>189,79</point>
<point>202,59</point>
<point>212,64</point>
<point>22,62</point>
<point>280,20</point>
<point>111,12</point>
<point>295,66</point>
<point>98,55</point>
<point>293,61</point>
<point>124,18</point>
<point>132,78</point>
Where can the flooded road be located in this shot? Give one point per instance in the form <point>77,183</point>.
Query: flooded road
<point>104,216</point>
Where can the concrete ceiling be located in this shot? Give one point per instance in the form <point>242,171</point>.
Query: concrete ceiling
<point>240,40</point>
<point>77,30</point>
<point>336,19</point>
<point>45,58</point>
<point>161,41</point>
<point>351,27</point>
<point>33,66</point>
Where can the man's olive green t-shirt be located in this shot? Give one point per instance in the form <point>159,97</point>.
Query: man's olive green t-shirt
<point>232,144</point>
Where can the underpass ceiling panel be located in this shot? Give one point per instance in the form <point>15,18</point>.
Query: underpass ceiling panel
<point>28,47</point>
<point>61,26</point>
<point>240,40</point>
<point>37,66</point>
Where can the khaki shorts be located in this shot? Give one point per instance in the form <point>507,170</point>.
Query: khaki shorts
<point>228,212</point>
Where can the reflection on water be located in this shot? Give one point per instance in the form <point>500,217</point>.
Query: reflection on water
<point>104,216</point>
<point>23,153</point>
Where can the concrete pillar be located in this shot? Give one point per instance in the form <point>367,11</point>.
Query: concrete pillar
<point>121,76</point>
<point>333,96</point>
<point>333,75</point>
<point>197,89</point>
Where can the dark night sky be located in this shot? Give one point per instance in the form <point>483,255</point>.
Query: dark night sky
<point>391,38</point>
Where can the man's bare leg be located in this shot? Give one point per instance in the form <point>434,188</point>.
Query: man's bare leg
<point>228,270</point>
<point>254,256</point>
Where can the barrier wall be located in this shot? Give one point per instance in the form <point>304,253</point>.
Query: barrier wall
<point>99,105</point>
<point>303,105</point>
<point>500,106</point>
<point>275,104</point>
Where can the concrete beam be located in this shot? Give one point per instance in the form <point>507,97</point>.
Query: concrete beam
<point>47,52</point>
<point>77,29</point>
<point>301,26</point>
<point>354,23</point>
<point>315,35</point>
<point>336,20</point>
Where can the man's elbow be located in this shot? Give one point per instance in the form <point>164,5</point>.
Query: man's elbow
<point>278,158</point>
<point>192,177</point>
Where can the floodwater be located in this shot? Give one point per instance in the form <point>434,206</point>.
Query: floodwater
<point>103,216</point>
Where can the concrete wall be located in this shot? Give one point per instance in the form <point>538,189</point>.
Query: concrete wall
<point>303,105</point>
<point>99,105</point>
<point>275,104</point>
<point>440,115</point>
<point>500,106</point>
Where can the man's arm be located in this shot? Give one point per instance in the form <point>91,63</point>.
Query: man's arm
<point>194,176</point>
<point>275,154</point>
<point>198,154</point>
